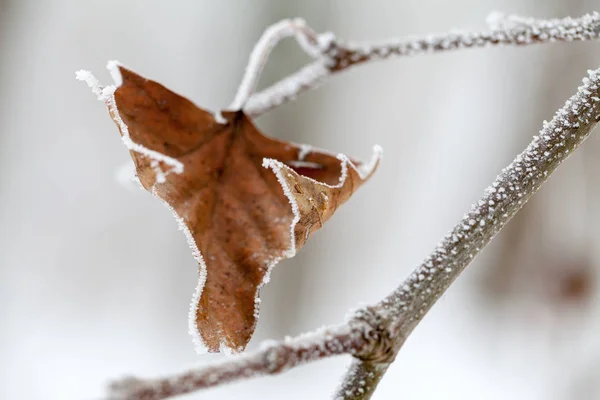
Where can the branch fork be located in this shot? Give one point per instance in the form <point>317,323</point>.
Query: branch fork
<point>374,335</point>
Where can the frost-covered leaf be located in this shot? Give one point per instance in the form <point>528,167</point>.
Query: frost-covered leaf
<point>245,201</point>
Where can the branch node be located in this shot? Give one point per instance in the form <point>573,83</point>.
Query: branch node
<point>374,327</point>
<point>275,359</point>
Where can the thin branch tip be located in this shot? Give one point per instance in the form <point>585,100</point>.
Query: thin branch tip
<point>333,56</point>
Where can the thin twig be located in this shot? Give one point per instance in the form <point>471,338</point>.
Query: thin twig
<point>339,56</point>
<point>304,35</point>
<point>374,335</point>
<point>307,78</point>
<point>273,358</point>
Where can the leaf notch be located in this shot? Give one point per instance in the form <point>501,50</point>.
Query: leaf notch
<point>243,200</point>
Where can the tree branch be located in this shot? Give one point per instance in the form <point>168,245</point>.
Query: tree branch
<point>361,380</point>
<point>304,35</point>
<point>406,306</point>
<point>273,358</point>
<point>374,335</point>
<point>337,56</point>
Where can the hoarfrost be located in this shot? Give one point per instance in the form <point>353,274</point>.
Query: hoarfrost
<point>107,95</point>
<point>505,30</point>
<point>310,43</point>
<point>280,168</point>
<point>309,77</point>
<point>502,199</point>
<point>305,150</point>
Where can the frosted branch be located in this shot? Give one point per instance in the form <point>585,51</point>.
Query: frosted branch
<point>406,306</point>
<point>107,95</point>
<point>308,40</point>
<point>374,335</point>
<point>501,200</point>
<point>307,78</point>
<point>504,30</point>
<point>273,358</point>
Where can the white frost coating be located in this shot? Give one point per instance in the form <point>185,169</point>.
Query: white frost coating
<point>366,169</point>
<point>308,77</point>
<point>304,164</point>
<point>312,44</point>
<point>92,82</point>
<point>325,40</point>
<point>199,344</point>
<point>280,168</point>
<point>270,265</point>
<point>219,118</point>
<point>228,351</point>
<point>107,95</point>
<point>505,30</point>
<point>263,48</point>
<point>314,73</point>
<point>501,200</point>
<point>305,150</point>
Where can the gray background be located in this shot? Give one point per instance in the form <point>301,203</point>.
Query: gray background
<point>95,279</point>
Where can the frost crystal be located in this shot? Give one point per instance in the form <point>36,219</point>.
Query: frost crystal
<point>280,168</point>
<point>107,95</point>
<point>199,344</point>
<point>505,30</point>
<point>309,77</point>
<point>502,199</point>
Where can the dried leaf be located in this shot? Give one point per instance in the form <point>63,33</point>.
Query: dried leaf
<point>245,201</point>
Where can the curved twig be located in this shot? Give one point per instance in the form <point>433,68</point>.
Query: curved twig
<point>338,56</point>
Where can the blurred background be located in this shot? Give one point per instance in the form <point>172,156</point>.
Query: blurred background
<point>95,278</point>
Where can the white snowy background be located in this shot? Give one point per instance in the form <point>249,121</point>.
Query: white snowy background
<point>95,279</point>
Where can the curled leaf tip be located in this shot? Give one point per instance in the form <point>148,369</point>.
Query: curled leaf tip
<point>245,201</point>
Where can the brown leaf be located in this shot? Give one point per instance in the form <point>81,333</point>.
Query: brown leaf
<point>244,200</point>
